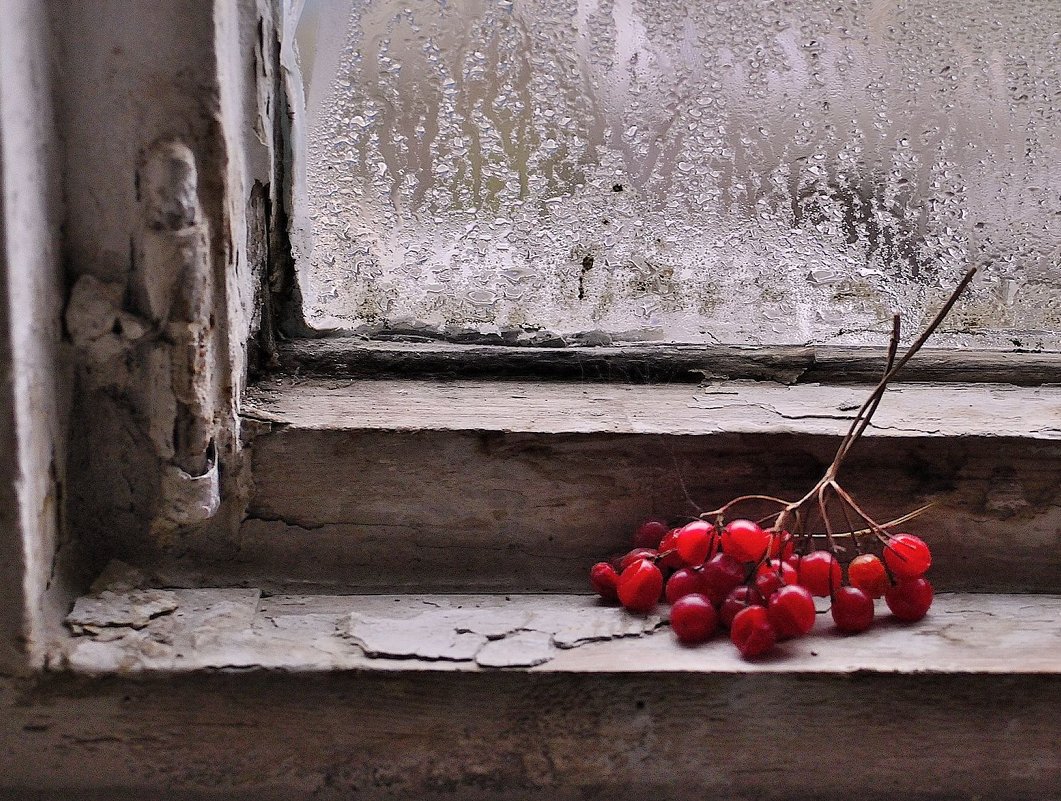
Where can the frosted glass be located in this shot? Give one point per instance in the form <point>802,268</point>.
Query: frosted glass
<point>738,172</point>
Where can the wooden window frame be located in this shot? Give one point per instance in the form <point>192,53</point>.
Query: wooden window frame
<point>226,103</point>
<point>94,99</point>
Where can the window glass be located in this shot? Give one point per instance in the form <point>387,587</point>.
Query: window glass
<point>739,172</point>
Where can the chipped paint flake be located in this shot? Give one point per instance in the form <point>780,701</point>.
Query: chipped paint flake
<point>133,609</point>
<point>500,634</point>
<point>424,636</point>
<point>519,649</point>
<point>578,629</point>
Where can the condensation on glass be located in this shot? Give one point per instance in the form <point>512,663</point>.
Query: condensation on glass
<point>737,172</point>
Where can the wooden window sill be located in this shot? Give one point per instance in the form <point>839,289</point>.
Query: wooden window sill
<point>175,631</point>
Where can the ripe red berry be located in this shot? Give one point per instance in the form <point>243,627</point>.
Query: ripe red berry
<point>693,618</point>
<point>767,582</point>
<point>745,541</point>
<point>782,545</point>
<point>867,573</point>
<point>721,575</point>
<point>907,556</point>
<point>668,546</point>
<point>910,599</point>
<point>752,633</point>
<point>787,572</point>
<point>632,556</point>
<point>639,586</point>
<point>649,533</point>
<point>791,611</point>
<point>685,581</point>
<point>604,580</point>
<point>739,598</point>
<point>852,610</point>
<point>820,573</point>
<point>695,542</point>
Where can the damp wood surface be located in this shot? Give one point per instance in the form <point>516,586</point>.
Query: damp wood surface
<point>211,629</point>
<point>381,486</point>
<point>658,362</point>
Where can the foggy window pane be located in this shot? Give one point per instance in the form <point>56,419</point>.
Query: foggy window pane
<point>737,172</point>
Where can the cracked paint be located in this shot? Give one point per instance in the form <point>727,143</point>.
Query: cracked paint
<point>133,609</point>
<point>237,629</point>
<point>492,636</point>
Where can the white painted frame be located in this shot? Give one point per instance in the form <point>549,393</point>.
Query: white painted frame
<point>85,90</point>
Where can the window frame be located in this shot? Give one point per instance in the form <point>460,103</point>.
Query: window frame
<point>235,114</point>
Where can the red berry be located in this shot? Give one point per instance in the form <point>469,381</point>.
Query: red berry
<point>668,546</point>
<point>695,542</point>
<point>638,553</point>
<point>788,573</point>
<point>768,582</point>
<point>693,618</point>
<point>740,598</point>
<point>907,556</point>
<point>909,600</point>
<point>820,573</point>
<point>782,545</point>
<point>684,582</point>
<point>721,575</point>
<point>639,586</point>
<point>745,541</point>
<point>867,573</point>
<point>604,580</point>
<point>852,610</point>
<point>791,611</point>
<point>649,533</point>
<point>752,633</point>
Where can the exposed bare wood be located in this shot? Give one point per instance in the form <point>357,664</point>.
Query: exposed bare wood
<point>518,736</point>
<point>662,362</point>
<point>465,486</point>
<point>951,410</point>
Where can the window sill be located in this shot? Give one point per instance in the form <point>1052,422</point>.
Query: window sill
<point>238,630</point>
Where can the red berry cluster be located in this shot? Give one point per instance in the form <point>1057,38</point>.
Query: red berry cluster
<point>760,584</point>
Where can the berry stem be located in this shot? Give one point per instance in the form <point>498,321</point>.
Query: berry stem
<point>863,531</point>
<point>865,414</point>
<point>741,499</point>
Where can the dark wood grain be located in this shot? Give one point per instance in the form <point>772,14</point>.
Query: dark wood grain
<point>659,362</point>
<point>501,736</point>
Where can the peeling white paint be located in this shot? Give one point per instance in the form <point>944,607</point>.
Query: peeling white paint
<point>134,609</point>
<point>218,629</point>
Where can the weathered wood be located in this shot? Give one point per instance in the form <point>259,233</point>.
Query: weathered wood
<point>516,736</point>
<point>662,362</point>
<point>175,631</point>
<point>231,696</point>
<point>465,486</point>
<point>922,410</point>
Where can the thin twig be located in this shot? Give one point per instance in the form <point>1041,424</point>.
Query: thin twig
<point>863,531</point>
<point>741,499</point>
<point>862,419</point>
